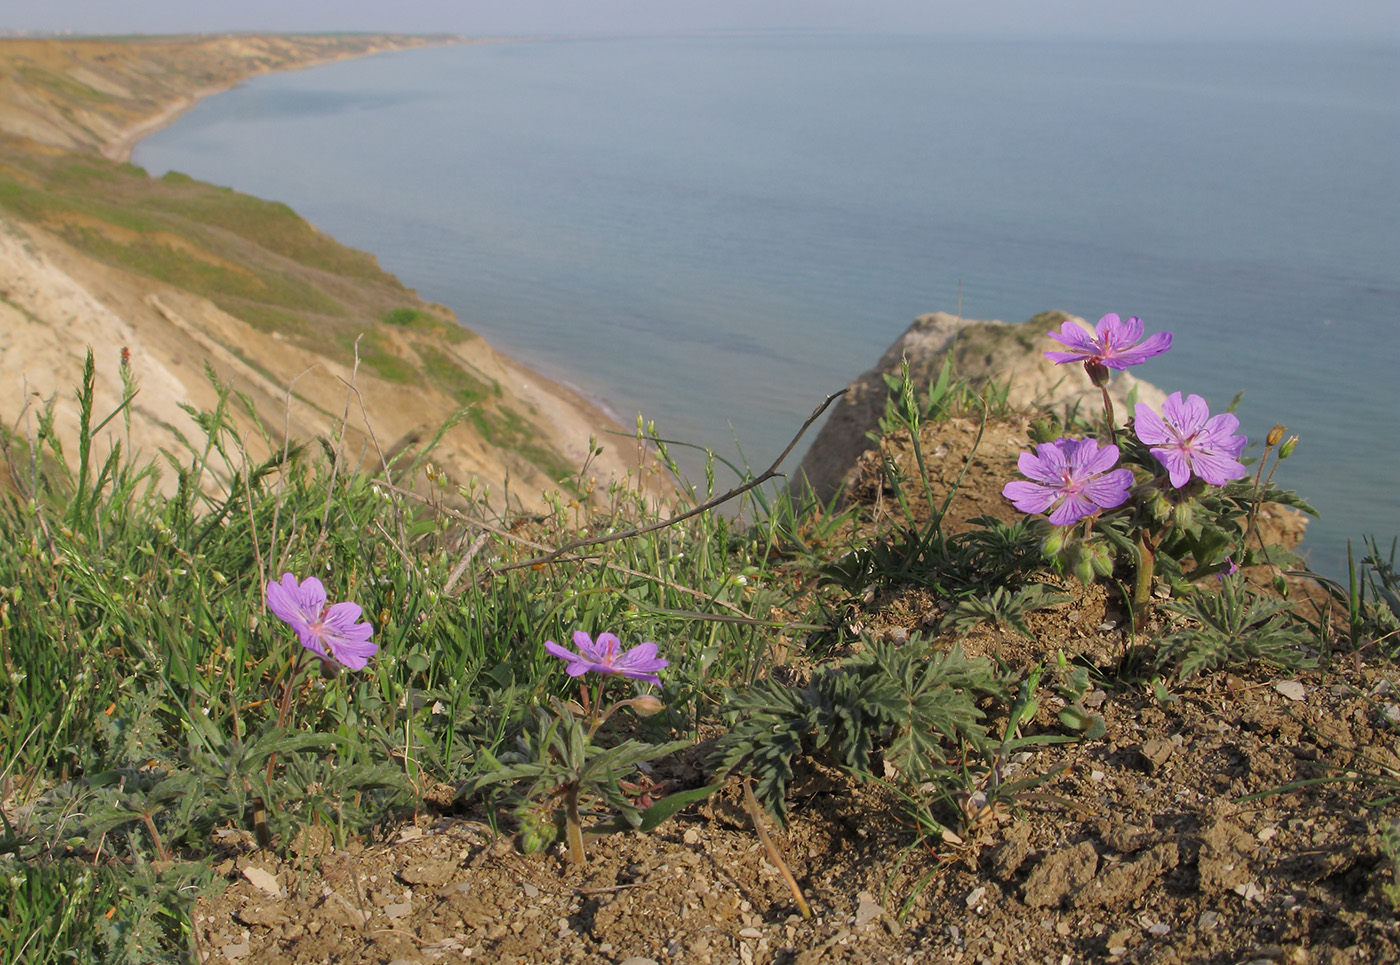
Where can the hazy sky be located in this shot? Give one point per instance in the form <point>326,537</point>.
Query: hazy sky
<point>1373,20</point>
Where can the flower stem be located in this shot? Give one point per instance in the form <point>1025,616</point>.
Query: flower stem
<point>573,829</point>
<point>1260,484</point>
<point>286,706</point>
<point>1142,587</point>
<point>1108,412</point>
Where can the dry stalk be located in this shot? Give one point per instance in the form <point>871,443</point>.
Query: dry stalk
<point>555,554</point>
<point>756,813</point>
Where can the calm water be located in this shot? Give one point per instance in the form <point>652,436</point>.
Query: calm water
<point>718,231</point>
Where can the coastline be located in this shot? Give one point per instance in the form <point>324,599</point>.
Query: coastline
<point>120,148</point>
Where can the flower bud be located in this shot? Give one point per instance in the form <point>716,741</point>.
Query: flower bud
<point>646,705</point>
<point>1183,514</point>
<point>1042,430</point>
<point>1101,561</point>
<point>1055,541</point>
<point>537,827</point>
<point>1286,450</point>
<point>1098,372</point>
<point>1275,435</point>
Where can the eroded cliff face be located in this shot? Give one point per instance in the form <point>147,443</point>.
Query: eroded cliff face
<point>209,294</point>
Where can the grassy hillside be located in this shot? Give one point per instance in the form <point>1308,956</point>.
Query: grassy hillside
<point>257,260</point>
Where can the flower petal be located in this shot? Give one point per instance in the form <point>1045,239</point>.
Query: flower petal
<point>608,648</point>
<point>1072,335</point>
<point>353,654</point>
<point>1072,510</point>
<point>1029,497</point>
<point>1060,358</point>
<point>1175,462</point>
<point>1156,344</point>
<point>1216,468</point>
<point>1106,328</point>
<point>344,616</point>
<point>1047,470</point>
<point>296,604</point>
<point>1110,489</point>
<point>1219,434</point>
<point>1186,417</point>
<point>585,645</point>
<point>1122,335</point>
<point>561,652</point>
<point>1149,426</point>
<point>1088,459</point>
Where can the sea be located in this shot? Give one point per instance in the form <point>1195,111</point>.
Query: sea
<point>717,231</point>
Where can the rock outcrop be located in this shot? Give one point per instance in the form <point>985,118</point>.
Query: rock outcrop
<point>985,353</point>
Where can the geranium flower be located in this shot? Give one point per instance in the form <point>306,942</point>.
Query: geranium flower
<point>1114,343</point>
<point>1071,480</point>
<point>607,657</point>
<point>1187,440</point>
<point>330,632</point>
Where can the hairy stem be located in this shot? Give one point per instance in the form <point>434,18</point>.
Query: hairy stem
<point>1142,586</point>
<point>573,829</point>
<point>1108,413</point>
<point>150,823</point>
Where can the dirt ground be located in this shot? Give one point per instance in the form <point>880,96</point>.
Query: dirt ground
<point>1141,849</point>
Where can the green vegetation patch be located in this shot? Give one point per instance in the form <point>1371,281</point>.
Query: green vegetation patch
<point>386,364</point>
<point>424,321</point>
<point>452,378</point>
<point>257,260</point>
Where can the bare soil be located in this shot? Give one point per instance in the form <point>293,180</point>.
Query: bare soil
<point>1143,847</point>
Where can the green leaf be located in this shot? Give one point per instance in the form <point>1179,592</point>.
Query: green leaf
<point>671,804</point>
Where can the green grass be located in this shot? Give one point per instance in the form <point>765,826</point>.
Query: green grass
<point>453,379</point>
<point>140,671</point>
<point>419,320</point>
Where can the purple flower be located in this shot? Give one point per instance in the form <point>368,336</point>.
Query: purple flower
<point>330,632</point>
<point>1114,343</point>
<point>607,656</point>
<point>1186,439</point>
<point>1072,477</point>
